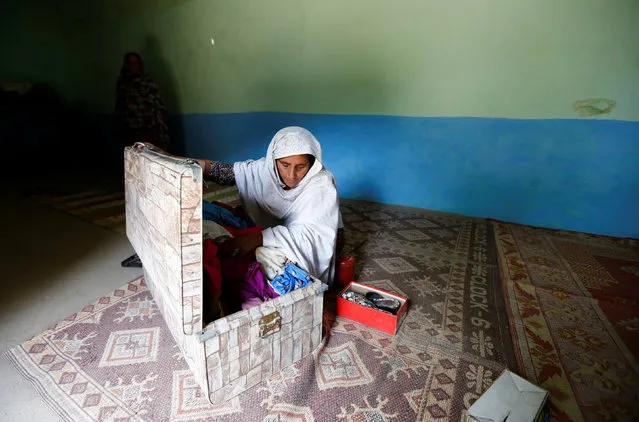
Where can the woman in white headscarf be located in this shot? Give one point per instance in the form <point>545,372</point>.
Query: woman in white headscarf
<point>291,195</point>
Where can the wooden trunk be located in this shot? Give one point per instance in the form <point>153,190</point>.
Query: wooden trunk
<point>164,225</point>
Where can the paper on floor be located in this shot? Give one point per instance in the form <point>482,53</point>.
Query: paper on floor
<point>512,399</point>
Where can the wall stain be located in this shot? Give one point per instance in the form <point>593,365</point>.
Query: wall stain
<point>594,106</point>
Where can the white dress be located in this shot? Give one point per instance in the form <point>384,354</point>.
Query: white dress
<point>301,222</point>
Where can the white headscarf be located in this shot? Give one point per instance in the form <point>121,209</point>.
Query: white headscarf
<point>301,222</point>
<point>294,141</point>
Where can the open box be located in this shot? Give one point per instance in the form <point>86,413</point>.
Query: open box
<point>232,353</point>
<point>510,398</point>
<point>380,320</point>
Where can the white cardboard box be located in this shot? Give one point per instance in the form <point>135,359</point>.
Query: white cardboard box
<point>512,399</point>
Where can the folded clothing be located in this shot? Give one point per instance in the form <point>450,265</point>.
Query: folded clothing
<point>215,231</point>
<point>222,214</point>
<point>235,283</point>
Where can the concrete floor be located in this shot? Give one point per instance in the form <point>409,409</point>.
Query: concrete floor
<point>52,265</point>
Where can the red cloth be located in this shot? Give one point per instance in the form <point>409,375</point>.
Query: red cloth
<point>224,250</point>
<point>243,232</point>
<point>234,278</point>
<point>212,267</point>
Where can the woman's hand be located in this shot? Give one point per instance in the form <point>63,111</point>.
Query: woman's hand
<point>243,245</point>
<point>202,163</point>
<point>150,146</point>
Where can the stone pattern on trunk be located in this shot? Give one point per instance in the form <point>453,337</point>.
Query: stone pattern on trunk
<point>237,358</point>
<point>164,224</point>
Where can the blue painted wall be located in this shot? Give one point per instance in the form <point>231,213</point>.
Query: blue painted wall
<point>497,61</point>
<point>568,174</point>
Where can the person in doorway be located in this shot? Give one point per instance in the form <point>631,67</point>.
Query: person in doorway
<point>292,195</point>
<point>139,110</point>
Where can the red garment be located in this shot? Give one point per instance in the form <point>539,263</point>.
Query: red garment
<point>212,267</point>
<point>211,280</point>
<point>243,232</point>
<point>228,276</point>
<point>224,248</point>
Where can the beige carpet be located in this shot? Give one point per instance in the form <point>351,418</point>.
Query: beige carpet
<point>115,359</point>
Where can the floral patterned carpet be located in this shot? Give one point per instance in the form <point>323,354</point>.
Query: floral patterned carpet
<point>573,302</point>
<point>116,360</point>
<point>559,308</point>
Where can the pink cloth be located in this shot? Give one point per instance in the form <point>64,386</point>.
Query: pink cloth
<point>244,285</point>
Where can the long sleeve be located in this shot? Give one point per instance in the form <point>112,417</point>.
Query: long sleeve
<point>309,236</point>
<point>221,173</point>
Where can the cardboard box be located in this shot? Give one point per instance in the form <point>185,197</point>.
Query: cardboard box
<point>511,398</point>
<point>382,321</point>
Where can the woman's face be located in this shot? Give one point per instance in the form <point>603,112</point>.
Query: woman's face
<point>292,169</point>
<point>132,64</point>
